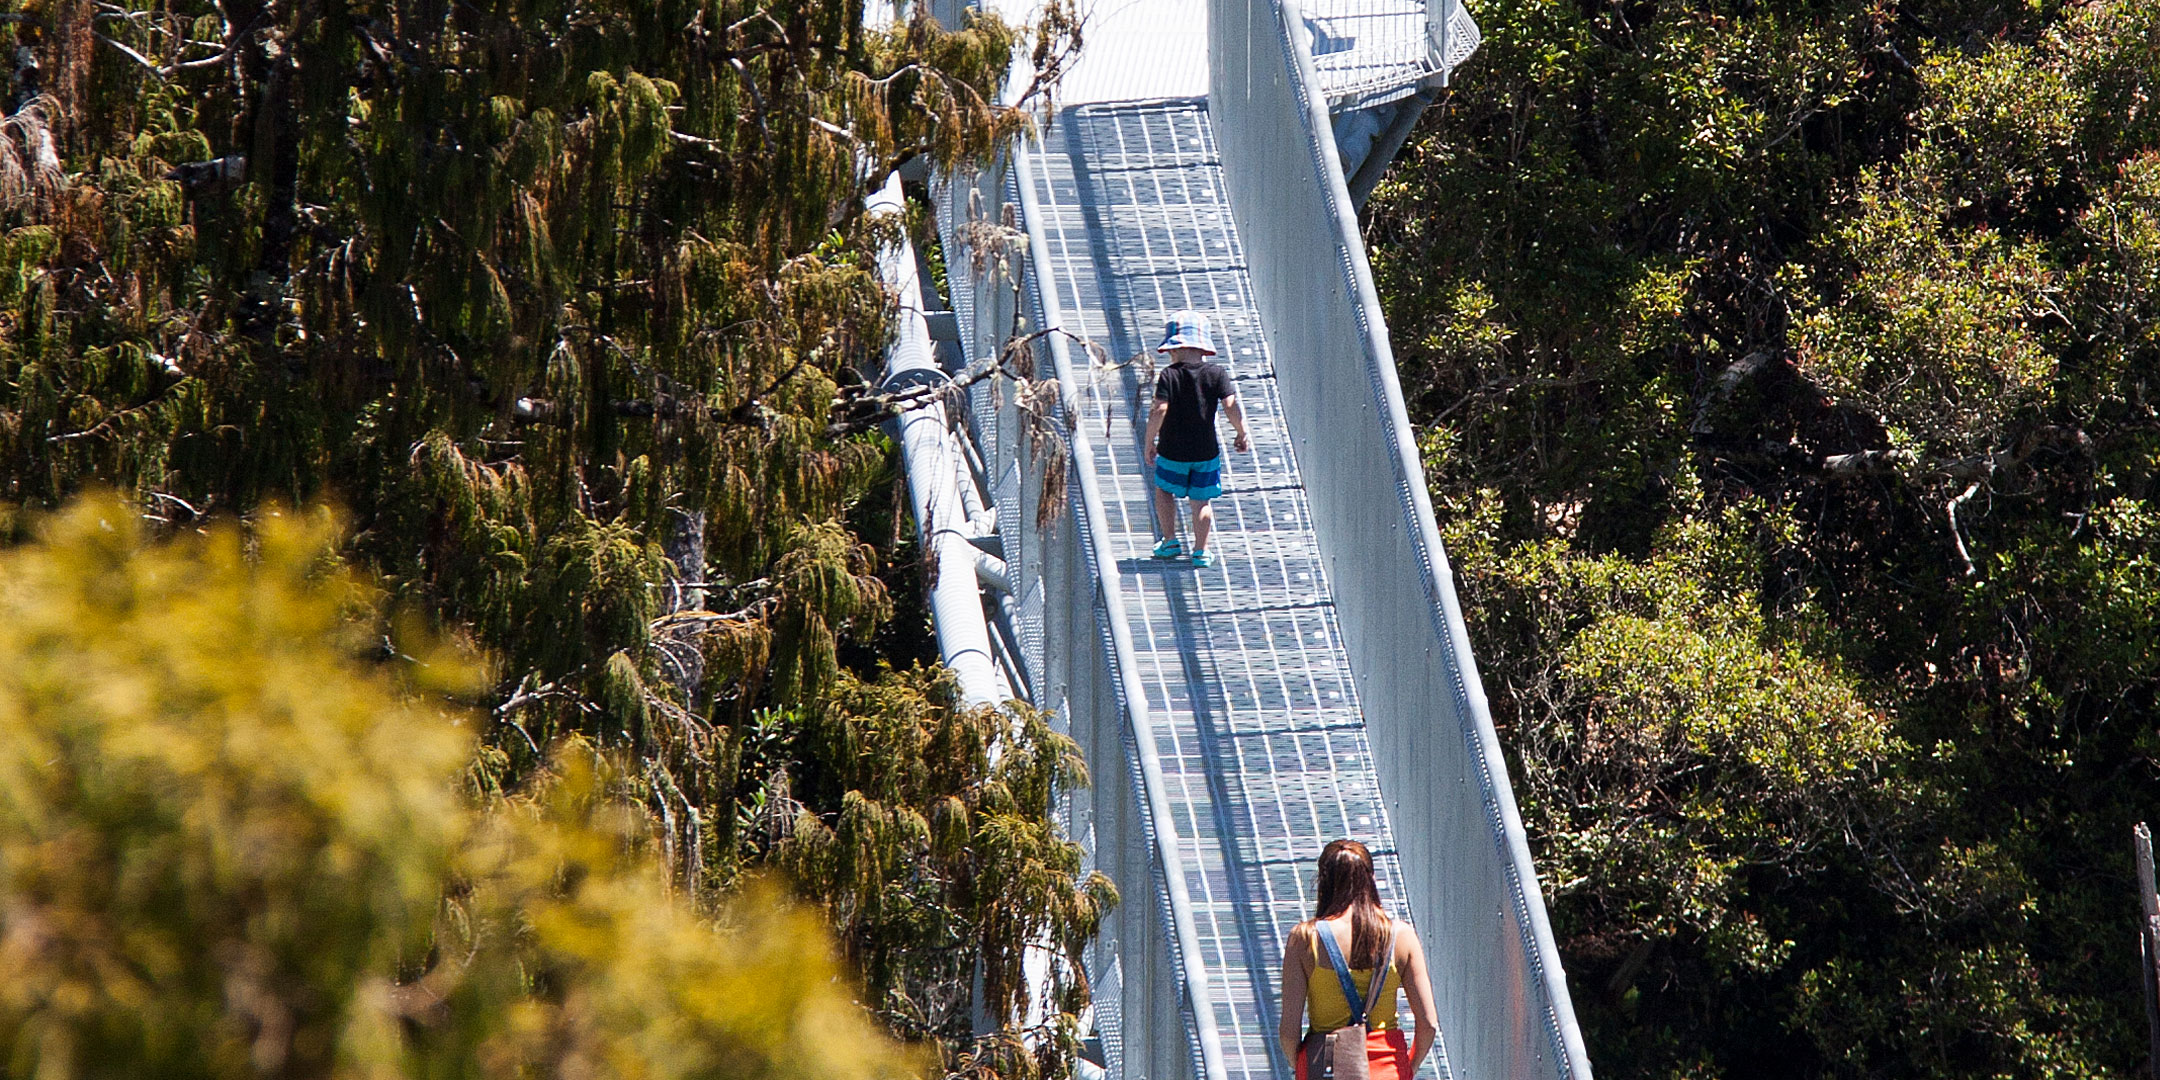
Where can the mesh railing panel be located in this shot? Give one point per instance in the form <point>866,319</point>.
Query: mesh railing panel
<point>1369,51</point>
<point>1502,997</point>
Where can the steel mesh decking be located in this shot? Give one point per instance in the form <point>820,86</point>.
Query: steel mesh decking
<point>1261,739</point>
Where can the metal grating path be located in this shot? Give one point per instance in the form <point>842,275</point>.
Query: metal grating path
<point>1258,725</point>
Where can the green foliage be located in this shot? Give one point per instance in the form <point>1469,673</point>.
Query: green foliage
<point>555,298</point>
<point>233,843</point>
<point>1932,328</point>
<point>944,856</point>
<point>1786,373</point>
<point>1690,746</point>
<point>2123,292</point>
<point>585,960</point>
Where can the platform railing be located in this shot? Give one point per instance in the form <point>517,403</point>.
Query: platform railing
<point>1502,998</point>
<point>1365,52</point>
<point>1070,612</point>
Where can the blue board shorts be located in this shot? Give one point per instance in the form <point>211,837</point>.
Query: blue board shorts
<point>1189,479</point>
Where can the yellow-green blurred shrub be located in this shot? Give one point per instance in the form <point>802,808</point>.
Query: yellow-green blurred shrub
<point>233,842</point>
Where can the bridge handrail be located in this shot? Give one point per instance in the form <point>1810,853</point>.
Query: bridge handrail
<point>1086,498</point>
<point>1505,1009</point>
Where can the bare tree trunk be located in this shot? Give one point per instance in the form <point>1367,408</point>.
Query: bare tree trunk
<point>683,542</point>
<point>2148,938</point>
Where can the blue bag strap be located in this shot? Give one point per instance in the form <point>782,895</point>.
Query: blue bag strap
<point>1387,960</point>
<point>1342,971</point>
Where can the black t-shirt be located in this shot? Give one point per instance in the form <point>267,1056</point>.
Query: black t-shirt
<point>1193,391</point>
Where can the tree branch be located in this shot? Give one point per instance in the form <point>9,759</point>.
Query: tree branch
<point>1956,533</point>
<point>863,408</point>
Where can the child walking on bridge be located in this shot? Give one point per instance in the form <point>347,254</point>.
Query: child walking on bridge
<point>1180,450</point>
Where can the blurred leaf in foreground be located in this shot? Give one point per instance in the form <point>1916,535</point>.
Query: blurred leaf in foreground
<point>233,843</point>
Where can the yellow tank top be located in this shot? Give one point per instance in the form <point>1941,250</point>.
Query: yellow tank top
<point>1325,1007</point>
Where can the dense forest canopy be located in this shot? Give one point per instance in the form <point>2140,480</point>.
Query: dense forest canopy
<point>1787,378</point>
<point>1784,370</point>
<point>553,300</point>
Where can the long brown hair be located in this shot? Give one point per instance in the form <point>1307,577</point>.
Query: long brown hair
<point>1346,883</point>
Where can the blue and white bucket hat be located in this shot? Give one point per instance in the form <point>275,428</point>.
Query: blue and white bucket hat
<point>1188,329</point>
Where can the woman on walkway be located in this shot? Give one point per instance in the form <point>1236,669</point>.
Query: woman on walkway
<point>1350,919</point>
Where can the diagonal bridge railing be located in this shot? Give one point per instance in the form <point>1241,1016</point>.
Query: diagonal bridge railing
<point>1318,682</point>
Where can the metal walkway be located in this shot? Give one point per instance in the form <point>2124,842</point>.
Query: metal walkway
<point>1257,720</point>
<point>1317,681</point>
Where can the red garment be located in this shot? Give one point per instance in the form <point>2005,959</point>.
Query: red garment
<point>1387,1054</point>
